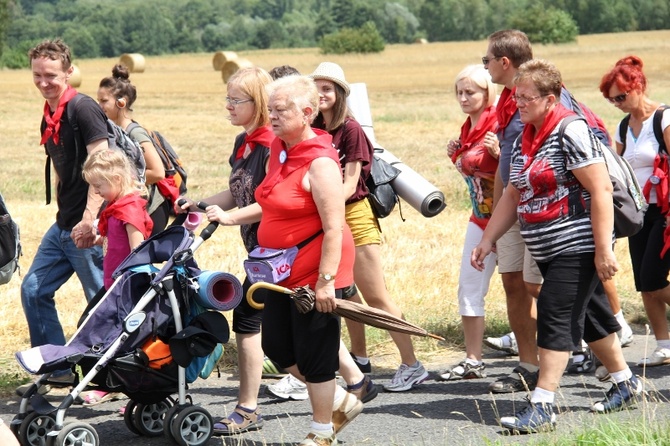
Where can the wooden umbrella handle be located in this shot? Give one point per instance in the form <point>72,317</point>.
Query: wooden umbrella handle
<point>270,286</point>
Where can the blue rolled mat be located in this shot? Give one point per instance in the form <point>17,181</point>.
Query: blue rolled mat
<point>219,291</point>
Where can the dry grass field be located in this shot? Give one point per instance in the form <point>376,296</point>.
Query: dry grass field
<point>414,111</point>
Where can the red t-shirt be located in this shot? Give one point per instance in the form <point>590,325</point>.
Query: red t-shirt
<point>290,215</point>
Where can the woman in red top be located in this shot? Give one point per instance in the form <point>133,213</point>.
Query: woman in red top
<point>475,155</point>
<point>300,196</point>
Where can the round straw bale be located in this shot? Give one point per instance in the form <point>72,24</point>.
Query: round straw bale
<point>231,66</point>
<point>75,77</point>
<point>421,41</point>
<point>134,62</point>
<point>221,57</point>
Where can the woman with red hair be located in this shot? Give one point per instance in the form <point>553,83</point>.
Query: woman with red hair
<point>625,86</point>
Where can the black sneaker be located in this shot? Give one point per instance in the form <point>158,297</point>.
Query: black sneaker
<point>585,365</point>
<point>620,396</point>
<point>518,381</point>
<point>536,417</point>
<point>365,368</point>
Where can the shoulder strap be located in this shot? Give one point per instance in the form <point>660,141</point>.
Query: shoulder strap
<point>306,241</point>
<point>623,131</point>
<point>132,126</point>
<point>658,129</point>
<point>563,125</point>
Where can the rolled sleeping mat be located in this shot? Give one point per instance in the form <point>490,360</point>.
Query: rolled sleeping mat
<point>218,291</point>
<point>409,185</point>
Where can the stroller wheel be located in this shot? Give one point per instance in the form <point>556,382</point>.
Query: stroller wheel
<point>34,429</point>
<point>15,424</point>
<point>149,418</point>
<point>76,434</point>
<point>170,416</point>
<point>129,417</point>
<point>193,426</point>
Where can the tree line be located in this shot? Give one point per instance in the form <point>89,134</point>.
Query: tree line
<point>102,28</point>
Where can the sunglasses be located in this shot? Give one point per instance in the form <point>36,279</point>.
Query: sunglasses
<point>618,99</point>
<point>486,60</point>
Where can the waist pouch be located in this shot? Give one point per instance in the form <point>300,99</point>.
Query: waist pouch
<point>272,265</point>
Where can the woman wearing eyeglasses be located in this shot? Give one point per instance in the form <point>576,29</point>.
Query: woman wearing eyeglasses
<point>247,106</point>
<point>562,196</point>
<point>625,87</point>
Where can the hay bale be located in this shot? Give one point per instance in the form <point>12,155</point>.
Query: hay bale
<point>421,41</point>
<point>75,77</point>
<point>134,62</point>
<point>221,57</point>
<point>231,66</point>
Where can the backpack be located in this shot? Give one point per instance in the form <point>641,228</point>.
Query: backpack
<point>171,161</point>
<point>383,197</point>
<point>658,130</point>
<point>629,203</point>
<point>117,138</point>
<point>10,244</point>
<point>594,122</point>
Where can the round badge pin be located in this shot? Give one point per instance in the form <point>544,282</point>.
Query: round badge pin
<point>282,156</point>
<point>654,179</point>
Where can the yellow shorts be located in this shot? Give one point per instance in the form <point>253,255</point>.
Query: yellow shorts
<point>363,223</point>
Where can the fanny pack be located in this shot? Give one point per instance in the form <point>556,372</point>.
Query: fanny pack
<point>273,265</point>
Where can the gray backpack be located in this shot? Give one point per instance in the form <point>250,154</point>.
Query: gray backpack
<point>10,244</point>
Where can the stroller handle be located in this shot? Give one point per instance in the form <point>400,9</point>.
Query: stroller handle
<point>211,227</point>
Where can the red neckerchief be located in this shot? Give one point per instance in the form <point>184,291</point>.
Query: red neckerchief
<point>130,209</point>
<point>294,158</point>
<point>487,122</point>
<point>262,136</point>
<point>532,141</point>
<point>53,122</point>
<point>506,107</point>
<point>660,184</point>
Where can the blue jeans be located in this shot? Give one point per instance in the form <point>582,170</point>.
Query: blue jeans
<point>57,258</point>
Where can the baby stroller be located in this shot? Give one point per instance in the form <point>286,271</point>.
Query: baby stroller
<point>145,304</point>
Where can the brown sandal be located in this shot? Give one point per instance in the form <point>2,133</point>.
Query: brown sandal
<point>238,422</point>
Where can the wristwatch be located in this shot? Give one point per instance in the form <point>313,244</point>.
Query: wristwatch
<point>327,277</point>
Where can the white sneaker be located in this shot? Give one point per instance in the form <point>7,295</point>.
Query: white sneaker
<point>407,377</point>
<point>659,357</point>
<point>505,343</point>
<point>625,335</point>
<point>288,388</point>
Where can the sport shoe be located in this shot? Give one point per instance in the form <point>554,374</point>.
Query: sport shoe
<point>22,389</point>
<point>505,343</point>
<point>406,377</point>
<point>625,335</point>
<point>365,391</point>
<point>464,370</point>
<point>349,409</point>
<point>582,362</point>
<point>536,417</point>
<point>659,357</point>
<point>519,380</point>
<point>620,396</point>
<point>315,439</point>
<point>272,370</point>
<point>365,368</point>
<point>288,388</point>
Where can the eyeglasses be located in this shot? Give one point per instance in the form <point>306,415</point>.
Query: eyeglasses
<point>486,60</point>
<point>522,100</point>
<point>618,99</point>
<point>236,102</point>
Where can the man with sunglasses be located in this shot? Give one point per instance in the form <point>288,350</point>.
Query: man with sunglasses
<point>521,278</point>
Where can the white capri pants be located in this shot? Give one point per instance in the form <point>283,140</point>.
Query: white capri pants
<point>472,284</point>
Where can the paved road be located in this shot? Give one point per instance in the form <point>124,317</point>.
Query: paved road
<point>435,413</point>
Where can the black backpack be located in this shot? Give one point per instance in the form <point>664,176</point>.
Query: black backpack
<point>658,130</point>
<point>117,138</point>
<point>10,244</point>
<point>383,197</point>
<point>168,155</point>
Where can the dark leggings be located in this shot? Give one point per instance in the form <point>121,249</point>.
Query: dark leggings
<point>160,217</point>
<point>310,340</point>
<point>649,269</point>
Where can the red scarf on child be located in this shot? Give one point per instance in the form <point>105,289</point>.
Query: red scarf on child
<point>130,209</point>
<point>487,123</point>
<point>262,136</point>
<point>532,140</point>
<point>53,121</point>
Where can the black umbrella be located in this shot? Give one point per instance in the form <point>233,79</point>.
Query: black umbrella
<point>304,298</point>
